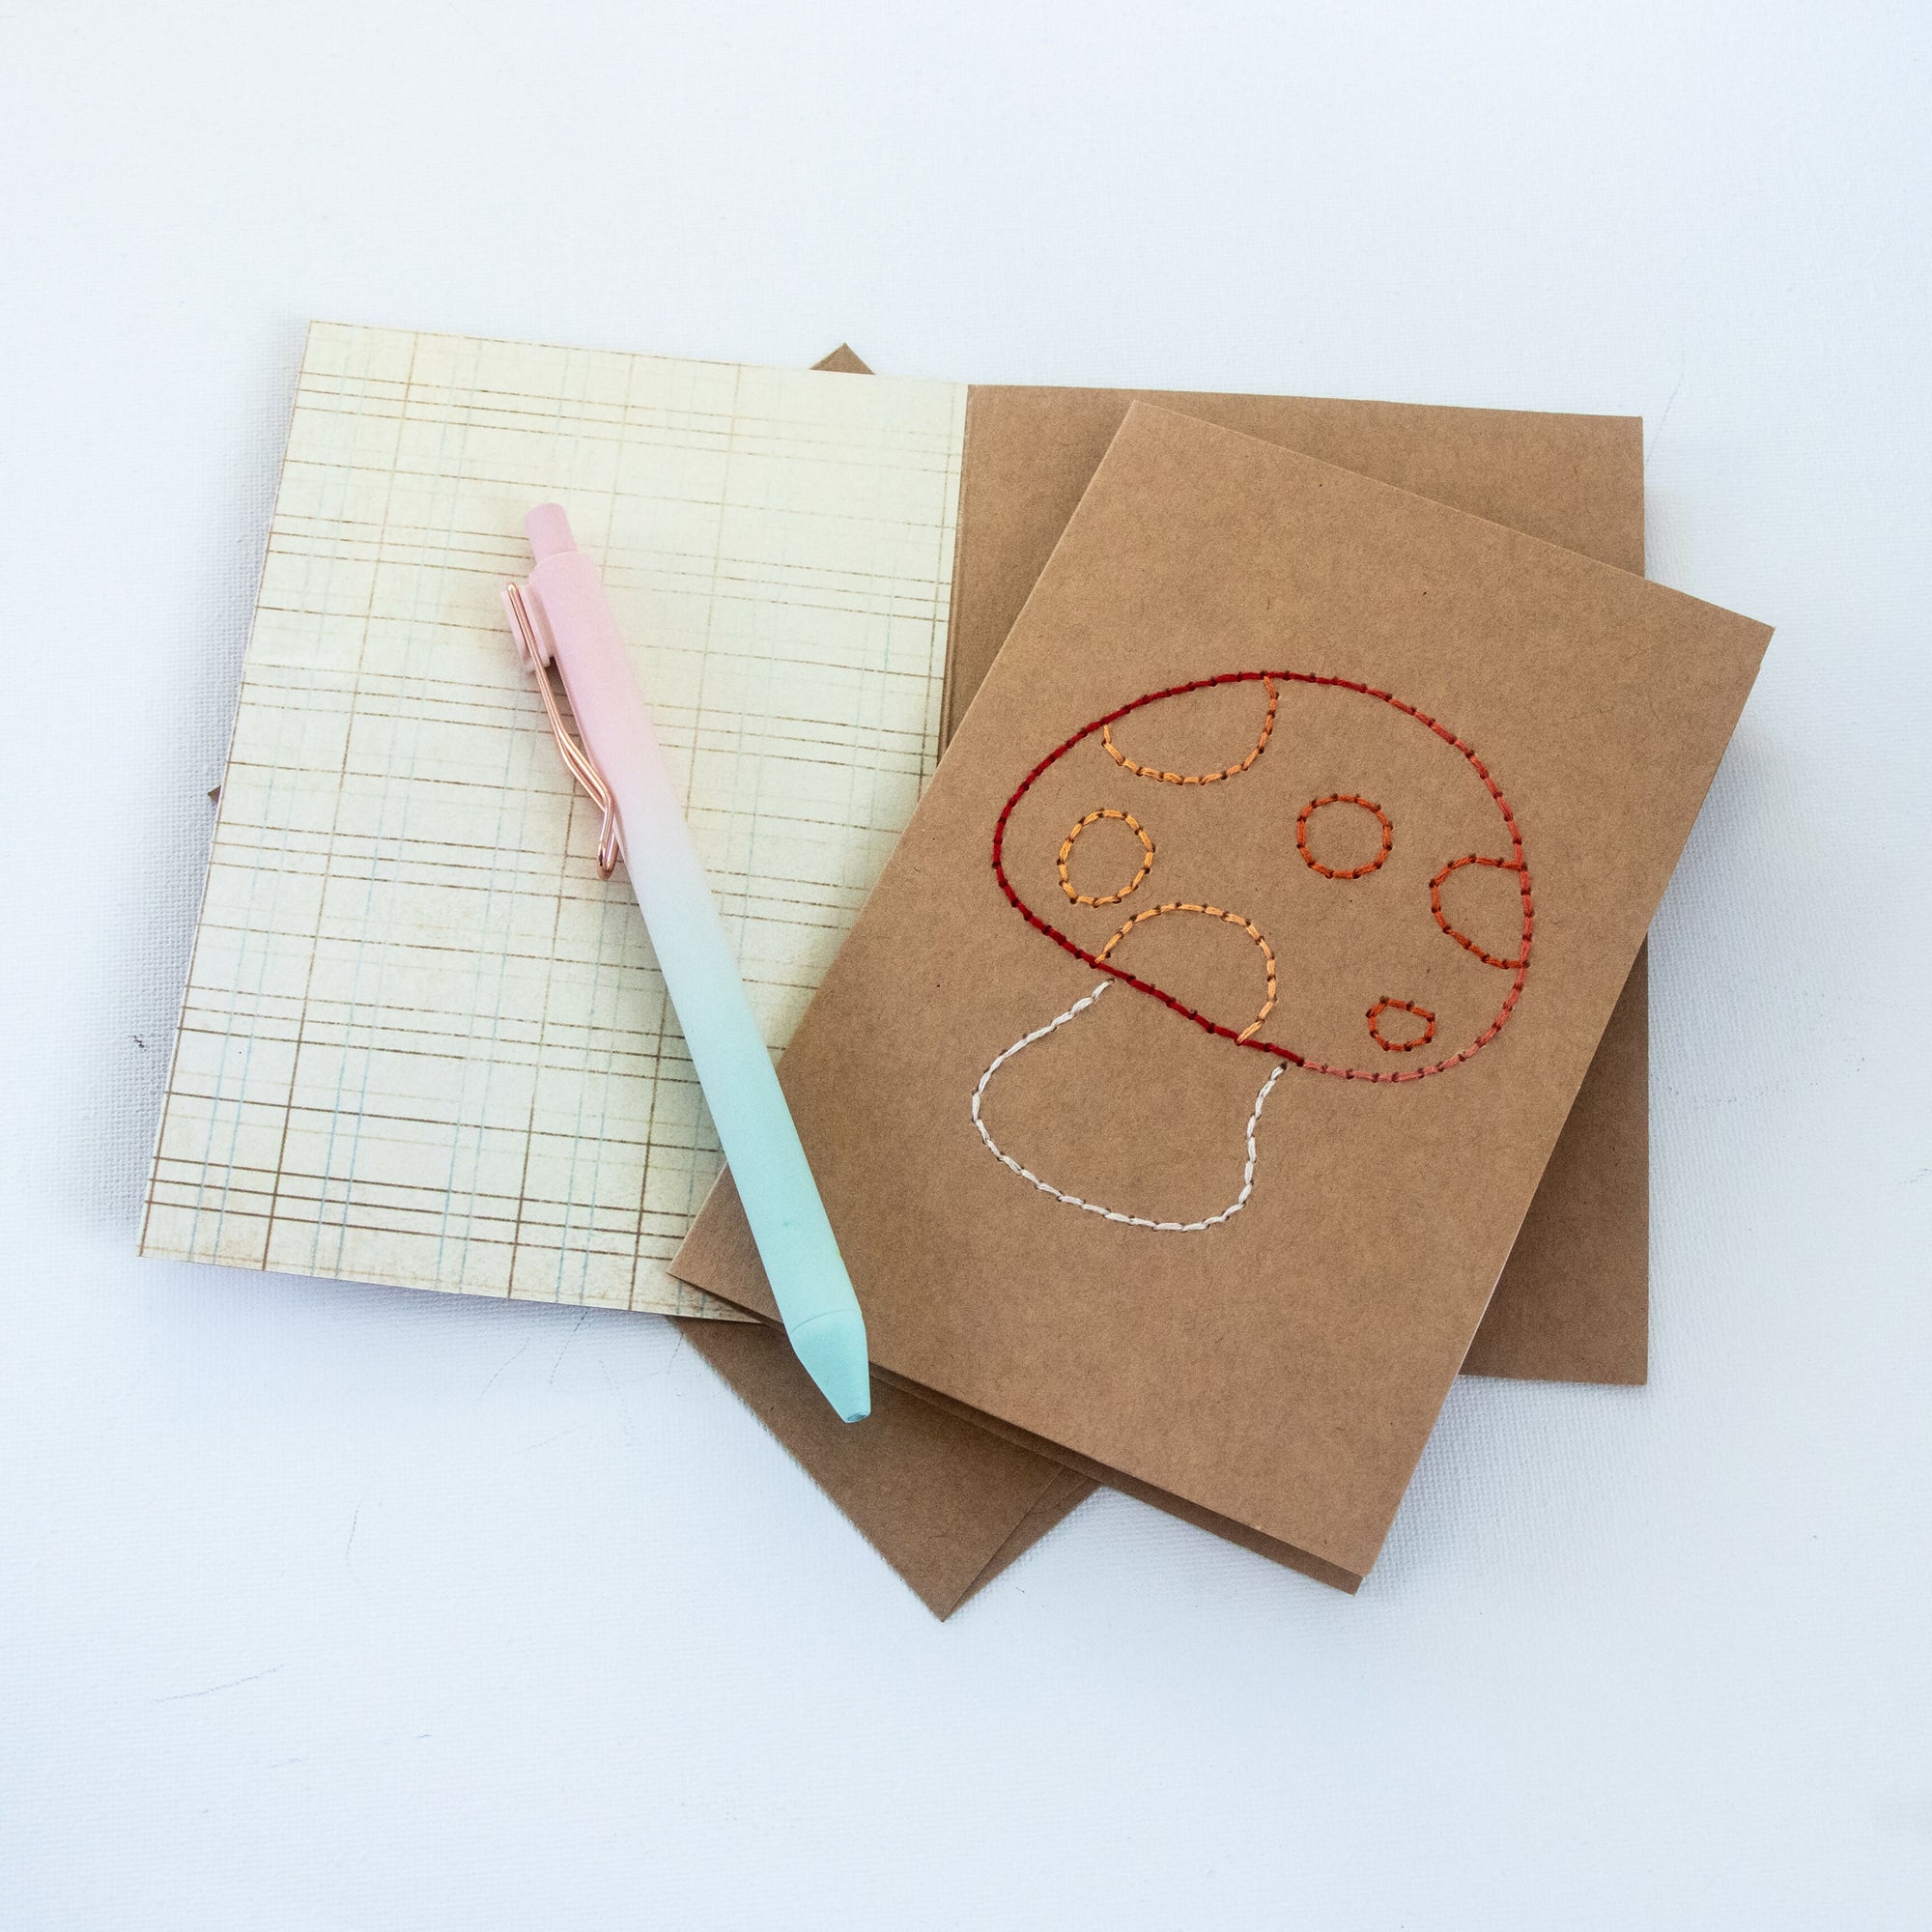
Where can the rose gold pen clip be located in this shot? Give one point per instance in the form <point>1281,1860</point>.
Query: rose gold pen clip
<point>577,760</point>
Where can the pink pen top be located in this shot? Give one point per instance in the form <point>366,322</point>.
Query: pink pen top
<point>579,633</point>
<point>549,532</point>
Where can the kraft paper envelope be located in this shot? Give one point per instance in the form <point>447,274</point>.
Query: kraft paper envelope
<point>926,1489</point>
<point>1415,916</point>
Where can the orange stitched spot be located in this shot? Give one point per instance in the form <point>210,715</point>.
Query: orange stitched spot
<point>1463,939</point>
<point>1422,1013</point>
<point>1313,805</point>
<point>1133,825</point>
<point>1247,925</point>
<point>1121,759</point>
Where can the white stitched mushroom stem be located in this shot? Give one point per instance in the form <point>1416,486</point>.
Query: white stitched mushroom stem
<point>1020,1045</point>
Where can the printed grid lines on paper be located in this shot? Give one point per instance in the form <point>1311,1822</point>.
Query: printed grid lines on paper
<point>422,1042</point>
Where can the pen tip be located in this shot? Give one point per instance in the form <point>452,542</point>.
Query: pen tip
<point>831,1346</point>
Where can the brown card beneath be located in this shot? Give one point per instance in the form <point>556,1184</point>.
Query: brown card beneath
<point>1283,1369</point>
<point>1572,1304</point>
<point>948,1505</point>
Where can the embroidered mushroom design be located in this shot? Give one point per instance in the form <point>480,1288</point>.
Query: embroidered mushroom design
<point>1359,843</point>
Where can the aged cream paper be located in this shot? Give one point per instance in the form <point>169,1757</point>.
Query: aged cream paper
<point>422,1042</point>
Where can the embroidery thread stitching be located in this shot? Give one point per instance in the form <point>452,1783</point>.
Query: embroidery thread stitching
<point>1294,1059</point>
<point>1463,939</point>
<point>1121,759</point>
<point>1020,1045</point>
<point>1134,825</point>
<point>1313,864</point>
<point>1387,1045</point>
<point>1247,925</point>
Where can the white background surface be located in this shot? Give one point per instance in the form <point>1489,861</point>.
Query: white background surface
<point>329,1608</point>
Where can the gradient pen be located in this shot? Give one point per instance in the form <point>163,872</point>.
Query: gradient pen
<point>563,616</point>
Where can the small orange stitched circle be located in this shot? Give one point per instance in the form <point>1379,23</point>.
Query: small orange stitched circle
<point>1247,925</point>
<point>1463,939</point>
<point>1387,1045</point>
<point>1134,825</point>
<point>1313,805</point>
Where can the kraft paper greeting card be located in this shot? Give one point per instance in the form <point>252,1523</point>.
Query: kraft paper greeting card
<point>1184,1086</point>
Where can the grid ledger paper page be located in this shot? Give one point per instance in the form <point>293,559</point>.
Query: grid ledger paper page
<point>422,1042</point>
